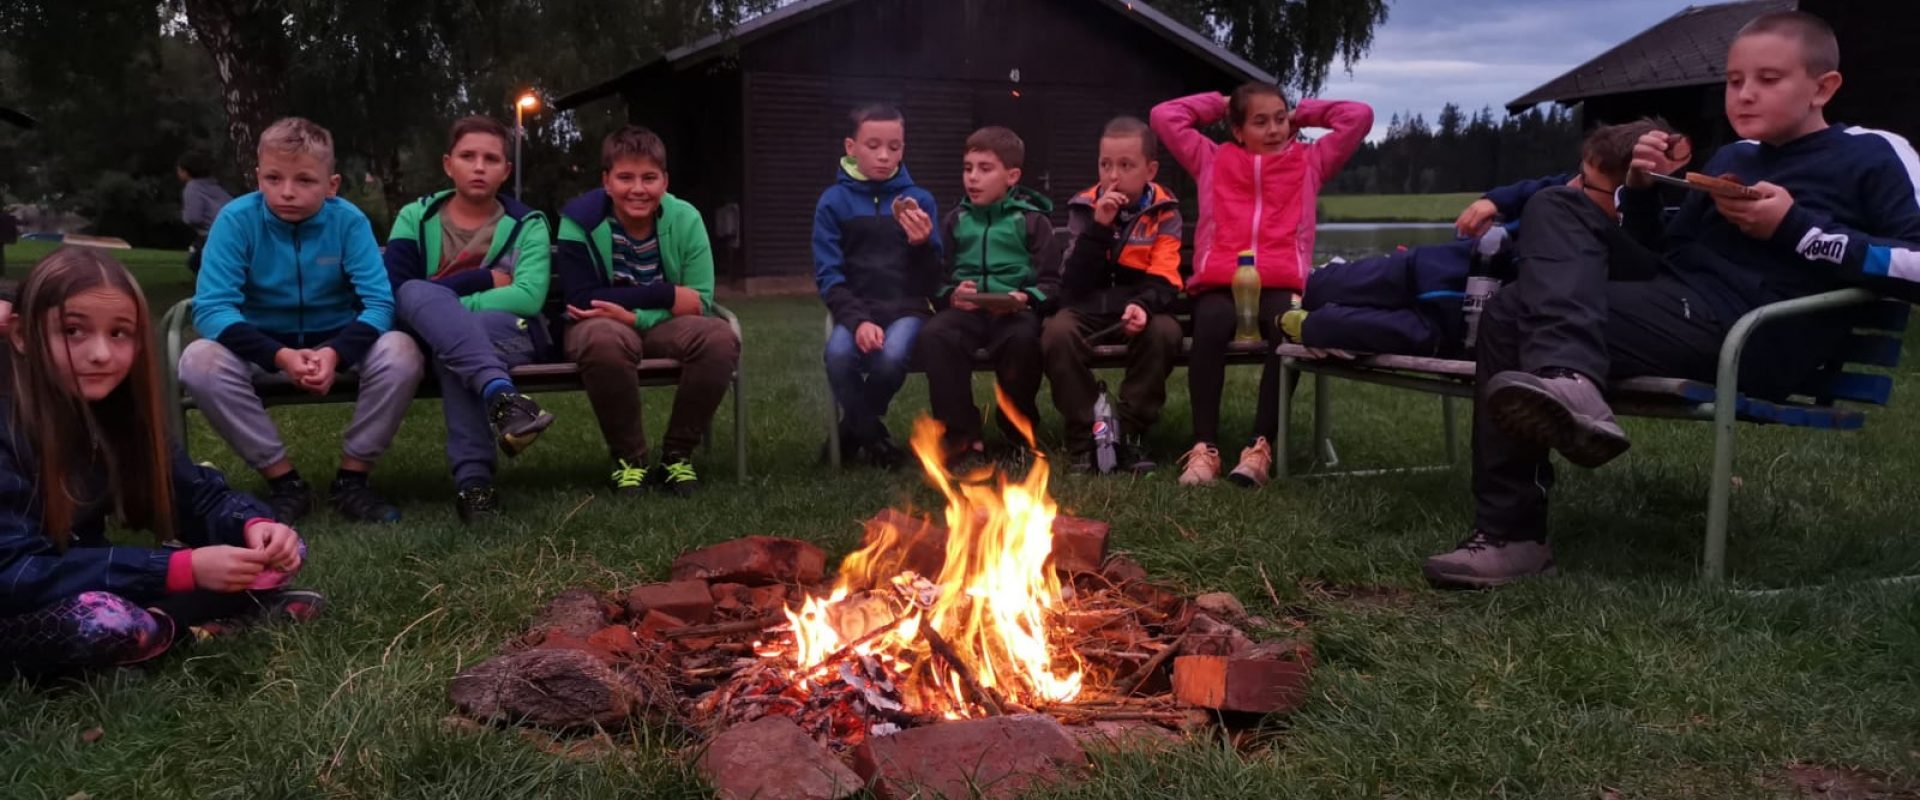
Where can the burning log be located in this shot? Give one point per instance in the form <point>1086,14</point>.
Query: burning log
<point>754,625</point>
<point>959,666</point>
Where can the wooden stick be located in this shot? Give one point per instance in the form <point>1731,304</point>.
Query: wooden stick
<point>865,638</point>
<point>1139,678</point>
<point>1130,716</point>
<point>946,653</point>
<point>725,628</point>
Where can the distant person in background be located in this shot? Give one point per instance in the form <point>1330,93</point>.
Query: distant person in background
<point>201,198</point>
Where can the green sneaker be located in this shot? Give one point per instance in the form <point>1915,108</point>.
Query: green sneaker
<point>629,479</point>
<point>676,477</point>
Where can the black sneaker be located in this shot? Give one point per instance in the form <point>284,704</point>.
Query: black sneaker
<point>676,477</point>
<point>968,461</point>
<point>629,478</point>
<point>478,502</point>
<point>356,500</point>
<point>886,455</point>
<point>517,421</point>
<point>290,500</point>
<point>1134,456</point>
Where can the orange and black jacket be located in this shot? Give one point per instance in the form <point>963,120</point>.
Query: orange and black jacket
<point>1135,260</point>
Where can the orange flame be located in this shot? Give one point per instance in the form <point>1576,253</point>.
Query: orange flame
<point>991,600</point>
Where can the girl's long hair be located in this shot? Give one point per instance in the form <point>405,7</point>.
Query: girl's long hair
<point>126,430</point>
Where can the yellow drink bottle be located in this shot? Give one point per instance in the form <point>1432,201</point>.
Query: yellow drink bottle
<point>1246,299</point>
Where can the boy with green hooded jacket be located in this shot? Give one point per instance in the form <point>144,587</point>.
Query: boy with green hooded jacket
<point>635,268</point>
<point>1003,269</point>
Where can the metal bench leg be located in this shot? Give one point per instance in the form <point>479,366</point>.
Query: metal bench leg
<point>1720,491</point>
<point>833,428</point>
<point>1288,381</point>
<point>1450,422</point>
<point>740,422</point>
<point>1323,423</point>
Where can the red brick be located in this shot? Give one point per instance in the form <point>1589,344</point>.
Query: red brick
<point>772,758</point>
<point>1079,545</point>
<point>925,542</point>
<point>996,757</point>
<point>730,597</point>
<point>769,598</point>
<point>657,622</point>
<point>691,601</point>
<point>1239,684</point>
<point>755,561</point>
<point>617,640</point>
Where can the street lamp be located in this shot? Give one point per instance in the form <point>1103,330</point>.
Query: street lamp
<point>527,102</point>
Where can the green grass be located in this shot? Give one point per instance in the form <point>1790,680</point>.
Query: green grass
<point>1621,674</point>
<point>1394,207</point>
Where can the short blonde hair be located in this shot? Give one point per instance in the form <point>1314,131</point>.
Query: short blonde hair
<point>298,136</point>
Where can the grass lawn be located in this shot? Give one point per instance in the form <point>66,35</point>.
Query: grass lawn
<point>1394,207</point>
<point>1620,678</point>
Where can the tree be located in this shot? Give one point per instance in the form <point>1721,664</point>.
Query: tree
<point>1296,40</point>
<point>248,44</point>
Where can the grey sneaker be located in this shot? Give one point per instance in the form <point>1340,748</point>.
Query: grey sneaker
<point>1565,413</point>
<point>1483,562</point>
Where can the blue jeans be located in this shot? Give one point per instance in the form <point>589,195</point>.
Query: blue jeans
<point>469,350</point>
<point>864,383</point>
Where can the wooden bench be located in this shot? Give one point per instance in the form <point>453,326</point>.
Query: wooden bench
<point>1105,356</point>
<point>278,390</point>
<point>1876,342</point>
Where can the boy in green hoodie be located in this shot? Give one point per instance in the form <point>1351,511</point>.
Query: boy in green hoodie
<point>636,270</point>
<point>1002,270</point>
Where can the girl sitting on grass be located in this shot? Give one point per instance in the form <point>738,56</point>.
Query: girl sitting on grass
<point>82,437</point>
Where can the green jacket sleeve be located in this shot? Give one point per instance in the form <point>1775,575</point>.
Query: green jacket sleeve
<point>532,273</point>
<point>690,265</point>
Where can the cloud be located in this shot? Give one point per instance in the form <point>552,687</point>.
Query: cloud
<point>1485,53</point>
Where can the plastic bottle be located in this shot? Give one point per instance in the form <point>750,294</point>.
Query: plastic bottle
<point>1246,299</point>
<point>1483,280</point>
<point>1106,433</point>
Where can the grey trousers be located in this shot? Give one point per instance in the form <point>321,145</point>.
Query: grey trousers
<point>221,384</point>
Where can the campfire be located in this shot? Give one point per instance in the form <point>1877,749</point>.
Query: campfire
<point>940,655</point>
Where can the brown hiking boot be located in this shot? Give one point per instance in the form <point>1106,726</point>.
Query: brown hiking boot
<point>1564,412</point>
<point>1201,465</point>
<point>1483,562</point>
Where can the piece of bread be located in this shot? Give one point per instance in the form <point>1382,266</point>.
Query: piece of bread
<point>1724,186</point>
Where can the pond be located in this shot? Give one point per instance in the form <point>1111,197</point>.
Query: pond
<point>1352,240</point>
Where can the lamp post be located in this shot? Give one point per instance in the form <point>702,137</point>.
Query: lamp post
<point>527,102</point>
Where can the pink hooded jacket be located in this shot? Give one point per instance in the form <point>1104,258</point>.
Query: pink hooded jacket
<point>1261,203</point>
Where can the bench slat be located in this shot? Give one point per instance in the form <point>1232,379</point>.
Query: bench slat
<point>1860,387</point>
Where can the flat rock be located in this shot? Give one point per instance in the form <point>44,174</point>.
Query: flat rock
<point>691,601</point>
<point>772,759</point>
<point>557,688</point>
<point>996,757</point>
<point>755,561</point>
<point>1259,686</point>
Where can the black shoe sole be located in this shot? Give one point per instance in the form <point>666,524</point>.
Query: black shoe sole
<point>1531,414</point>
<point>517,441</point>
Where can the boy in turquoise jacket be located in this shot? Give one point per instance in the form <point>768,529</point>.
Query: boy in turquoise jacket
<point>291,282</point>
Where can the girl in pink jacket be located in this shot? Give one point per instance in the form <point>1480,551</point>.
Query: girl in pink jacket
<point>1256,193</point>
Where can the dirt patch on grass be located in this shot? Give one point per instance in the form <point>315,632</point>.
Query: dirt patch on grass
<point>1842,783</point>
